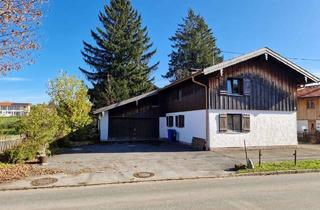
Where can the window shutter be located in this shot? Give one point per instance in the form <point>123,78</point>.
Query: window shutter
<point>245,122</point>
<point>223,89</point>
<point>182,121</point>
<point>223,123</point>
<point>177,121</point>
<point>246,86</point>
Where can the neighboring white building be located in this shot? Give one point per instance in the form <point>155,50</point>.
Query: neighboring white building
<point>250,98</point>
<point>9,109</point>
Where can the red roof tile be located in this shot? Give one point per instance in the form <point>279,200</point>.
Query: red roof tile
<point>309,92</point>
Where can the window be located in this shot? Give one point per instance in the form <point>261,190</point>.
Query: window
<point>235,86</point>
<point>179,94</point>
<point>234,122</point>
<point>310,104</point>
<point>180,121</point>
<point>169,121</point>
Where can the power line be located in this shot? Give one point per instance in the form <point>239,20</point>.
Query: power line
<point>291,58</point>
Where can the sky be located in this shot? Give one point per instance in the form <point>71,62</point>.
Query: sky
<point>289,27</point>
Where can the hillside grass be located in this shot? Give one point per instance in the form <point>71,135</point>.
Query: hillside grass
<point>284,166</point>
<point>9,126</point>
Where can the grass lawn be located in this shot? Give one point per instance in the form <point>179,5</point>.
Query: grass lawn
<point>9,125</point>
<point>285,166</point>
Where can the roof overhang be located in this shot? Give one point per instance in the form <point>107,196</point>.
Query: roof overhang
<point>130,100</point>
<point>263,51</point>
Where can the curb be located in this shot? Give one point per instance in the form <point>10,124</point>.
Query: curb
<point>231,175</point>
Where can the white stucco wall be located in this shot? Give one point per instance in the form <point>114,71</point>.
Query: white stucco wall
<point>318,125</point>
<point>104,126</point>
<point>301,125</point>
<point>194,125</point>
<point>268,128</point>
<point>163,128</point>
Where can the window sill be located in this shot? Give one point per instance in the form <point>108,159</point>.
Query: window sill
<point>236,95</point>
<point>235,132</point>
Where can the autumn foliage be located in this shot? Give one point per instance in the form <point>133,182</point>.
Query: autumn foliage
<point>19,21</point>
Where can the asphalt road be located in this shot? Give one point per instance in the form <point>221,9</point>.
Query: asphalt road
<point>270,192</point>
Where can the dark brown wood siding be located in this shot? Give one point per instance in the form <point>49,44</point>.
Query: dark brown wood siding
<point>273,86</point>
<point>135,121</point>
<point>192,97</point>
<point>133,128</point>
<point>147,107</point>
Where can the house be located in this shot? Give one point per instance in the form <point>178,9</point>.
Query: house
<point>308,114</point>
<point>252,97</point>
<point>9,109</point>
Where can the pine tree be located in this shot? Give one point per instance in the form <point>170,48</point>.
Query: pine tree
<point>194,47</point>
<point>119,60</point>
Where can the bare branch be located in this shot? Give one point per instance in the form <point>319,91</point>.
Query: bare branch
<point>18,24</point>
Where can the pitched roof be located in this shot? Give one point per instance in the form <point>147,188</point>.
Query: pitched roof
<point>262,51</point>
<point>133,99</point>
<point>8,103</point>
<point>137,98</point>
<point>5,103</point>
<point>308,92</point>
<point>218,67</point>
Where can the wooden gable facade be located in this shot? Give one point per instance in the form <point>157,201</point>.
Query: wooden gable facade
<point>186,96</point>
<point>267,85</point>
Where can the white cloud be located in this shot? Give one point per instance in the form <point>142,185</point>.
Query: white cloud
<point>14,79</point>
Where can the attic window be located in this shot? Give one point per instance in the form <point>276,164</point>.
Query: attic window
<point>310,104</point>
<point>235,86</point>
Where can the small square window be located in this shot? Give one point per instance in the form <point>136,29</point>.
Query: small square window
<point>180,121</point>
<point>169,121</point>
<point>310,104</point>
<point>234,122</point>
<point>235,86</point>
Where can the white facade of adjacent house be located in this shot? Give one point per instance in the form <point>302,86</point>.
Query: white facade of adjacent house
<point>9,109</point>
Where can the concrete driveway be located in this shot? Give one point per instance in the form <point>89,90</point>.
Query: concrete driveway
<point>120,161</point>
<point>104,163</point>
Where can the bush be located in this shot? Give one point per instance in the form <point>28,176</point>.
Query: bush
<point>41,126</point>
<point>27,150</point>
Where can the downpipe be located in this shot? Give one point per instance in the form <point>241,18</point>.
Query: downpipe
<point>207,110</point>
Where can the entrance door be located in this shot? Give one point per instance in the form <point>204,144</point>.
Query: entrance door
<point>312,126</point>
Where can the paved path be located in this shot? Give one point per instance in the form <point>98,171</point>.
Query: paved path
<point>270,192</point>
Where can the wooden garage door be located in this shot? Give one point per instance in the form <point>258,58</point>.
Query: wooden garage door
<point>126,128</point>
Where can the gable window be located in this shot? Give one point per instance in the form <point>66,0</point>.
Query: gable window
<point>234,122</point>
<point>169,121</point>
<point>180,121</point>
<point>235,86</point>
<point>310,104</point>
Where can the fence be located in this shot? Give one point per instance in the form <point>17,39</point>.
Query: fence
<point>9,143</point>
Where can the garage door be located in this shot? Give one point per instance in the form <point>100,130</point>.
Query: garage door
<point>127,128</point>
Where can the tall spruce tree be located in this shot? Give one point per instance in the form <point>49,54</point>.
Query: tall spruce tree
<point>194,47</point>
<point>119,60</point>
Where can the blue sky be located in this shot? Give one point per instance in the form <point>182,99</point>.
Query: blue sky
<point>290,27</point>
